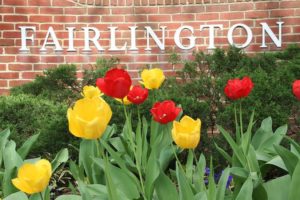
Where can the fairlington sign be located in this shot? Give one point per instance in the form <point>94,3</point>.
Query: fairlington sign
<point>52,40</point>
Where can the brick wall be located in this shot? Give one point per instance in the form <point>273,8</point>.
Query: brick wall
<point>17,68</point>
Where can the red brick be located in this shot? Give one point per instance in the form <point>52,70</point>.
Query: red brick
<point>62,3</point>
<point>15,2</point>
<point>2,67</point>
<point>183,17</point>
<point>53,11</point>
<point>241,6</point>
<point>170,10</point>
<point>135,18</point>
<point>11,50</point>
<point>11,34</point>
<point>6,9</point>
<point>282,13</point>
<point>4,92</point>
<point>76,11</point>
<point>4,26</point>
<point>3,83</point>
<point>20,67</point>
<point>28,59</point>
<point>118,11</point>
<point>9,75</point>
<point>290,4</point>
<point>257,14</point>
<point>146,58</point>
<point>217,8</point>
<point>207,16</point>
<point>148,10</point>
<point>88,19</point>
<point>39,67</point>
<point>5,59</point>
<point>266,5</point>
<point>232,16</point>
<point>15,18</point>
<point>26,10</point>
<point>14,83</point>
<point>193,9</point>
<point>7,42</point>
<point>112,18</point>
<point>52,59</point>
<point>30,75</point>
<point>40,19</point>
<point>56,27</point>
<point>159,18</point>
<point>98,11</point>
<point>39,2</point>
<point>65,19</point>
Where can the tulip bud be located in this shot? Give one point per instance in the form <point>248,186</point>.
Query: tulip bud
<point>186,133</point>
<point>33,178</point>
<point>153,78</point>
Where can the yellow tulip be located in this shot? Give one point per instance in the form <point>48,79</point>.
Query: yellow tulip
<point>152,78</point>
<point>33,178</point>
<point>186,133</point>
<point>89,118</point>
<point>91,91</point>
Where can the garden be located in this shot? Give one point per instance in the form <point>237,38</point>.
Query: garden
<point>226,126</point>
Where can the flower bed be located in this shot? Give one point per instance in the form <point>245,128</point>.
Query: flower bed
<point>141,161</point>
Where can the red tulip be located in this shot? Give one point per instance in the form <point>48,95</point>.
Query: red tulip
<point>116,83</point>
<point>296,89</point>
<point>165,112</point>
<point>236,88</point>
<point>137,95</point>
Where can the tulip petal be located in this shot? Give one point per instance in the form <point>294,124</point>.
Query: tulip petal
<point>23,186</point>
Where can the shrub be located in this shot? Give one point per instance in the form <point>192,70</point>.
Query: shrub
<point>27,115</point>
<point>56,84</point>
<point>204,79</point>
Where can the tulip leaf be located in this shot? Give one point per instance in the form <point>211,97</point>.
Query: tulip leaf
<point>92,191</point>
<point>12,161</point>
<point>61,157</point>
<point>69,197</point>
<point>290,160</point>
<point>189,165</point>
<point>222,185</point>
<point>278,188</point>
<point>145,143</point>
<point>239,172</point>
<point>139,143</point>
<point>27,145</point>
<point>263,133</point>
<point>294,192</point>
<point>87,151</point>
<point>122,180</point>
<point>245,192</point>
<point>17,196</point>
<point>199,180</point>
<point>165,188</point>
<point>4,135</point>
<point>152,173</point>
<point>234,146</point>
<point>185,191</point>
<point>223,153</point>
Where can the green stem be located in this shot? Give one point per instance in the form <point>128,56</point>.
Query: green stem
<point>41,195</point>
<point>134,150</point>
<point>241,118</point>
<point>238,136</point>
<point>180,165</point>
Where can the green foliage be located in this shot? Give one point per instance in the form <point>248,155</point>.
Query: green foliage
<point>102,66</point>
<point>205,77</point>
<point>13,156</point>
<point>28,115</point>
<point>57,84</point>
